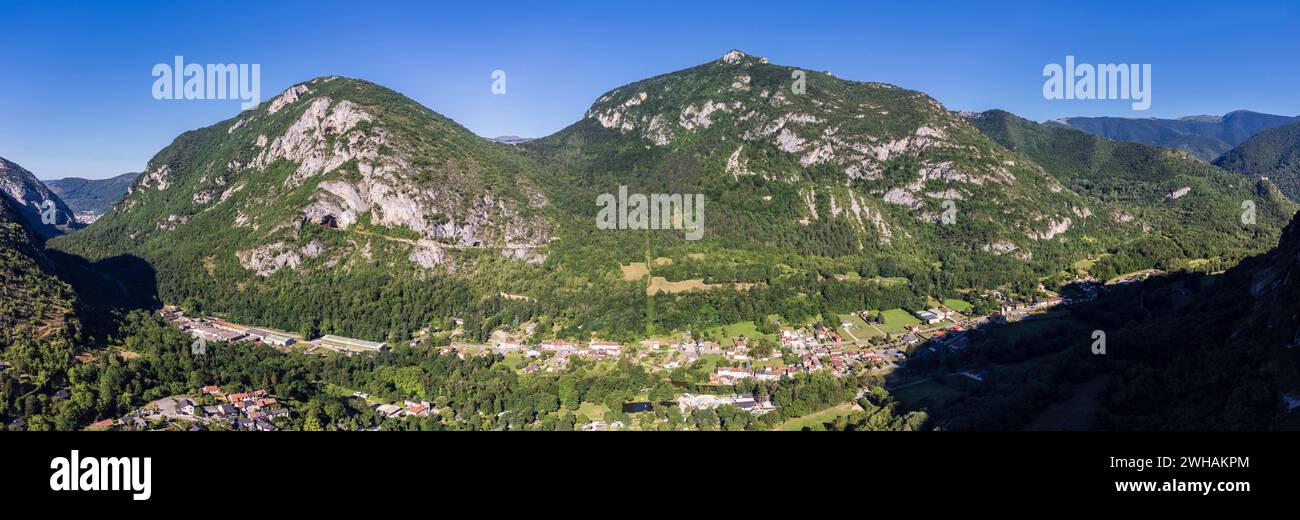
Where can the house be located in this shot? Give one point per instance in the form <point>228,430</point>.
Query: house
<point>212,390</point>
<point>602,349</point>
<point>929,318</point>
<point>559,347</point>
<point>388,410</point>
<point>508,345</point>
<point>350,344</point>
<point>278,412</point>
<point>418,410</point>
<point>101,425</point>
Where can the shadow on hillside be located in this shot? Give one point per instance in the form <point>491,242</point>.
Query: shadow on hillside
<point>108,288</point>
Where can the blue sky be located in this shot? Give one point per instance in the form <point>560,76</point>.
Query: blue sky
<point>76,97</point>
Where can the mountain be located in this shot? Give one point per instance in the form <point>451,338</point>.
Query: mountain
<point>37,309</point>
<point>339,182</point>
<point>343,207</point>
<point>1172,199</point>
<point>1273,153</point>
<point>91,198</point>
<point>1206,137</point>
<point>868,169</point>
<point>1214,353</point>
<point>511,139</point>
<point>28,197</point>
<point>845,168</point>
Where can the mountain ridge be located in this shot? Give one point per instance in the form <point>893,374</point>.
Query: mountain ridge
<point>1205,136</point>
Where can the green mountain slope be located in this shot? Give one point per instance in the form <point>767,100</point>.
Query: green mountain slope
<point>1206,137</point>
<point>1164,199</point>
<point>37,310</point>
<point>338,182</point>
<point>1273,153</point>
<point>343,207</point>
<point>91,198</point>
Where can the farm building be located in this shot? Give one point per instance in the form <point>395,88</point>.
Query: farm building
<point>342,343</point>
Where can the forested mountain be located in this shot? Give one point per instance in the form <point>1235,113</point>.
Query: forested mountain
<point>343,207</point>
<point>1206,137</point>
<point>1170,201</point>
<point>91,198</point>
<point>39,326</point>
<point>1273,153</point>
<point>28,196</point>
<point>1188,351</point>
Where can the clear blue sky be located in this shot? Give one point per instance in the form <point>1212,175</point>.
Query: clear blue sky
<point>76,100</point>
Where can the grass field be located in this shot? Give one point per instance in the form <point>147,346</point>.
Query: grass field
<point>661,284</point>
<point>961,306</point>
<point>895,319</point>
<point>915,394</point>
<point>592,411</point>
<point>740,328</point>
<point>824,416</point>
<point>861,329</point>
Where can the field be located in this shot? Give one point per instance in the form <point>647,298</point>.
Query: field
<point>896,319</point>
<point>634,271</point>
<point>916,394</point>
<point>659,283</point>
<point>961,306</point>
<point>740,328</point>
<point>592,411</point>
<point>860,329</point>
<point>824,416</point>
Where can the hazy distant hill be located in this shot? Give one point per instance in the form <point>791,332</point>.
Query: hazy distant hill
<point>91,198</point>
<point>511,139</point>
<point>1206,137</point>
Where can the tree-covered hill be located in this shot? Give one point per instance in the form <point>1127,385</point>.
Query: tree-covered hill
<point>1273,153</point>
<point>39,326</point>
<point>343,207</point>
<point>1158,197</point>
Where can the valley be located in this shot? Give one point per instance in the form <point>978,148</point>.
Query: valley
<point>869,260</point>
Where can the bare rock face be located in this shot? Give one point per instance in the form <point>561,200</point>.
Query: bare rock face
<point>364,169</point>
<point>30,196</point>
<point>307,143</point>
<point>268,259</point>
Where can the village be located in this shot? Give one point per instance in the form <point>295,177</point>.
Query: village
<point>870,342</point>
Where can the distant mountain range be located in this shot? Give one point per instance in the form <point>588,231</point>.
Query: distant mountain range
<point>91,198</point>
<point>1272,154</point>
<point>511,139</point>
<point>1206,137</point>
